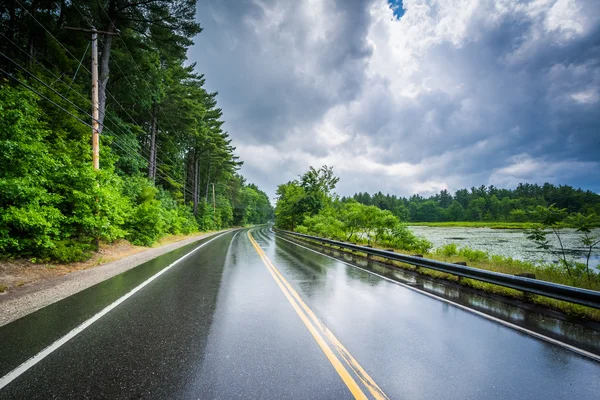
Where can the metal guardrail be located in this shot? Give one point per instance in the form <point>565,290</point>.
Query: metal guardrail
<point>585,297</point>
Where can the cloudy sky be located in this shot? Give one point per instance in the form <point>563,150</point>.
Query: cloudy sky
<point>408,96</point>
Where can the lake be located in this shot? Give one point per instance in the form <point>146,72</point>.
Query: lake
<point>503,242</point>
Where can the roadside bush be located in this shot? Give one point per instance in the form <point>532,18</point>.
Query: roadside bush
<point>447,250</point>
<point>178,218</point>
<point>365,224</point>
<point>302,229</point>
<point>469,254</point>
<point>473,255</point>
<point>147,222</point>
<point>323,225</point>
<point>29,217</point>
<point>401,237</point>
<point>67,251</point>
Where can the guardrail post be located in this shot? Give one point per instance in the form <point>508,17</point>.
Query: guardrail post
<point>526,295</point>
<point>463,263</point>
<point>417,268</point>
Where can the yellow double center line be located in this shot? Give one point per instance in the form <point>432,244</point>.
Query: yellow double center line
<point>318,330</point>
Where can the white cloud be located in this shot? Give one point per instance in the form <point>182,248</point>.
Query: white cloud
<point>454,93</point>
<point>524,168</point>
<point>586,96</point>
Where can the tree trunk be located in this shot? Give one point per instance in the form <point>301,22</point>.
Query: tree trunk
<point>186,173</point>
<point>104,65</point>
<point>207,180</point>
<point>152,155</point>
<point>12,32</point>
<point>61,17</point>
<point>196,190</point>
<point>31,38</point>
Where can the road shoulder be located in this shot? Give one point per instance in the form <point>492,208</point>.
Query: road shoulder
<point>32,297</point>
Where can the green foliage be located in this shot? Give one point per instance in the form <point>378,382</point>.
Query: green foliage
<point>252,207</point>
<point>155,213</point>
<point>448,250</point>
<point>308,206</point>
<point>305,197</point>
<point>28,211</point>
<point>67,251</point>
<point>324,225</point>
<point>553,220</point>
<point>289,210</point>
<point>472,254</point>
<point>53,205</point>
<point>318,186</point>
<point>400,237</point>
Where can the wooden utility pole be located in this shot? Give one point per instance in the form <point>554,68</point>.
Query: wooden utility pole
<point>95,103</point>
<point>95,109</point>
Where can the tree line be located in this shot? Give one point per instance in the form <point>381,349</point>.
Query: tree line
<point>485,203</point>
<point>166,164</point>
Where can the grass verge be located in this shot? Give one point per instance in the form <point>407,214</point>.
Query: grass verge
<point>19,272</point>
<point>478,224</point>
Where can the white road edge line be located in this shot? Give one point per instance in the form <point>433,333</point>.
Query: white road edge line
<point>14,374</point>
<point>537,335</point>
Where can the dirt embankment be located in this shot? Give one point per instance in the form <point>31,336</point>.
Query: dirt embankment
<point>18,273</point>
<point>26,286</point>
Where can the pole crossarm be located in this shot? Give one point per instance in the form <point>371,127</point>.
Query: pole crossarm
<point>93,30</point>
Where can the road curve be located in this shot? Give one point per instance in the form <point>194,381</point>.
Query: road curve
<point>250,315</point>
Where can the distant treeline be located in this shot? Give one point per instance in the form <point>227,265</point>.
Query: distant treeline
<point>484,203</point>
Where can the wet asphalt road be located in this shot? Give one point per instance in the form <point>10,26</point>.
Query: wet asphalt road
<point>217,325</point>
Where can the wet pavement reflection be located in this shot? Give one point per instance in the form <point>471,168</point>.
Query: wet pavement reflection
<point>425,348</point>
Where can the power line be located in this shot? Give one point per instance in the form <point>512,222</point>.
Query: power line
<point>43,83</point>
<point>131,56</point>
<point>49,33</point>
<point>70,53</point>
<point>167,137</point>
<point>89,72</point>
<point>130,84</point>
<point>58,78</point>
<point>69,88</point>
<point>44,97</point>
<point>135,154</point>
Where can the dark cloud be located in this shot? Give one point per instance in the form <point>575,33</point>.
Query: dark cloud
<point>441,97</point>
<point>275,66</point>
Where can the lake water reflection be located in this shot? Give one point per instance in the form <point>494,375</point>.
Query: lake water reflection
<point>504,242</point>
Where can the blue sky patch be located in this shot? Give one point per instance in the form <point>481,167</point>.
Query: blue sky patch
<point>396,6</point>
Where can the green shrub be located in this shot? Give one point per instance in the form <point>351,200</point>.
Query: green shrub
<point>67,251</point>
<point>401,237</point>
<point>473,255</point>
<point>324,226</point>
<point>448,250</point>
<point>302,229</point>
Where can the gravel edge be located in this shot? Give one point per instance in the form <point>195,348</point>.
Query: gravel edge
<point>30,298</point>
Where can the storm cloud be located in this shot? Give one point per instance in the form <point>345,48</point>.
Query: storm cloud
<point>436,94</point>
